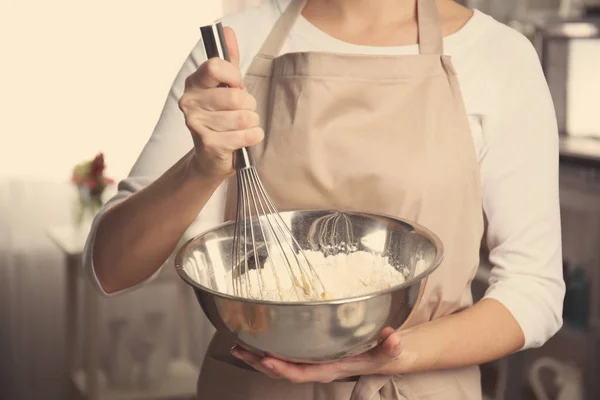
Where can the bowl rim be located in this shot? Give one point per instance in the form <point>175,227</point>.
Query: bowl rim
<point>439,257</point>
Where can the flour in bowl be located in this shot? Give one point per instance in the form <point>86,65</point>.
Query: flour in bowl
<point>343,275</point>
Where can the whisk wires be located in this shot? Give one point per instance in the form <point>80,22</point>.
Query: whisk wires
<point>260,228</point>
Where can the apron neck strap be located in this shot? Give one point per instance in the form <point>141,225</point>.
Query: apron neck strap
<point>431,37</point>
<point>429,25</point>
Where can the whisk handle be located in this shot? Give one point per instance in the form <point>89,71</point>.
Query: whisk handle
<point>214,41</point>
<point>215,46</point>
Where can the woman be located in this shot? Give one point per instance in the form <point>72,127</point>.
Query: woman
<point>365,110</point>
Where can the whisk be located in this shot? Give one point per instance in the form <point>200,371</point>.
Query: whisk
<point>332,234</point>
<point>262,238</point>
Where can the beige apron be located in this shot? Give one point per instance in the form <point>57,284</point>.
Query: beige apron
<point>382,134</point>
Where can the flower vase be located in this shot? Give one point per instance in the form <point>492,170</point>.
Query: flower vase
<point>87,205</point>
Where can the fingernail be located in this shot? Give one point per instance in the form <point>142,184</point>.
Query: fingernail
<point>235,353</point>
<point>267,364</point>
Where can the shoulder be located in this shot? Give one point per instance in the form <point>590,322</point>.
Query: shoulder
<point>502,80</point>
<point>497,50</point>
<point>507,43</point>
<point>496,65</point>
<point>252,25</point>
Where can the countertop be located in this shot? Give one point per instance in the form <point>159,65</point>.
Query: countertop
<point>583,150</point>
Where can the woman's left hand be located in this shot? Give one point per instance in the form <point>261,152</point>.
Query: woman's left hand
<point>388,350</point>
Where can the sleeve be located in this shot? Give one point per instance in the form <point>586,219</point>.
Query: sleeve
<point>169,142</point>
<point>519,172</point>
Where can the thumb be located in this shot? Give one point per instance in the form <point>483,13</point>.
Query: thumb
<point>390,347</point>
<point>232,46</point>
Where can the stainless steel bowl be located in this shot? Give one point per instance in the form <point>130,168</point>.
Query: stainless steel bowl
<point>316,331</point>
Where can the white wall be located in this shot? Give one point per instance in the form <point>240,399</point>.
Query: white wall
<point>77,77</point>
<point>81,76</point>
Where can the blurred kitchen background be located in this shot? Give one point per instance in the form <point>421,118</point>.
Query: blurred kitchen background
<point>78,78</point>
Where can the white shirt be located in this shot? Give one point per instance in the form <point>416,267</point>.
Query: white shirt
<point>514,132</point>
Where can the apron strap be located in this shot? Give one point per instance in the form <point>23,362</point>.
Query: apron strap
<point>281,30</point>
<point>429,25</point>
<point>431,37</point>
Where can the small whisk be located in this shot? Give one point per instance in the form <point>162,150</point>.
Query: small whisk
<point>332,234</point>
<point>262,239</point>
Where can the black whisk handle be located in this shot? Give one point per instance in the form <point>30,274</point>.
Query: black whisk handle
<point>215,46</point>
<point>214,41</point>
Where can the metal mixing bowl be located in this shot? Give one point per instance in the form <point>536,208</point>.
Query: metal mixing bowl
<point>316,331</point>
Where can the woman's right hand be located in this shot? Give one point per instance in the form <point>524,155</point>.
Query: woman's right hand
<point>221,119</point>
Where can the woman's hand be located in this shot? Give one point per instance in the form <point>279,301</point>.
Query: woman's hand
<point>221,119</point>
<point>389,350</point>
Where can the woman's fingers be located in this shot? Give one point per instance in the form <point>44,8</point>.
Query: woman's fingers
<point>232,46</point>
<point>216,143</point>
<point>295,373</point>
<point>220,111</point>
<point>302,373</point>
<point>390,348</point>
<point>223,99</point>
<point>221,119</point>
<point>254,361</point>
<point>215,72</point>
<point>387,351</point>
<point>224,121</point>
<point>217,99</point>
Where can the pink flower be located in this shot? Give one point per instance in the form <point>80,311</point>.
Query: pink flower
<point>89,174</point>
